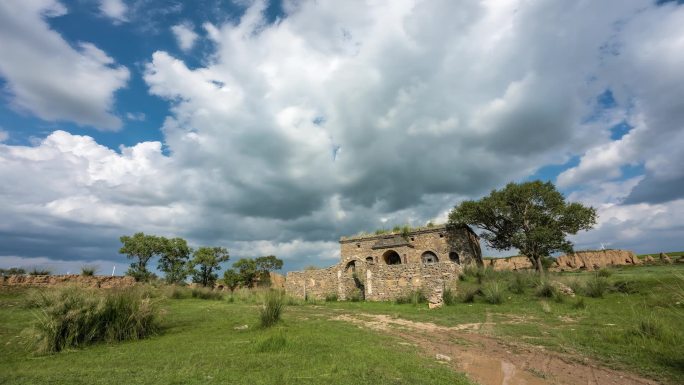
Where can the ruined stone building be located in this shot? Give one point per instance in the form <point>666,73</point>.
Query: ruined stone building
<point>385,266</point>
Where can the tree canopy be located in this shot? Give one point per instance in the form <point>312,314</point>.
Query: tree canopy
<point>207,260</point>
<point>173,259</point>
<point>250,271</point>
<point>532,217</point>
<point>141,247</point>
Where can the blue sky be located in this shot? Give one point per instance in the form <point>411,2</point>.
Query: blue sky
<point>277,127</point>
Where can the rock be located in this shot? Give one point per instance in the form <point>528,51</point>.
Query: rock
<point>442,357</point>
<point>241,327</point>
<point>563,288</point>
<point>435,305</point>
<point>592,260</point>
<point>665,258</point>
<point>97,281</point>
<point>649,259</point>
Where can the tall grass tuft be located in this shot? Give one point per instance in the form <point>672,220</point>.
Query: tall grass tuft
<point>604,272</point>
<point>414,297</point>
<point>331,297</point>
<point>545,289</point>
<point>449,297</point>
<point>39,271</point>
<point>519,282</point>
<point>75,317</point>
<point>492,292</point>
<point>596,286</point>
<point>468,294</point>
<point>272,308</point>
<point>88,271</point>
<point>205,293</point>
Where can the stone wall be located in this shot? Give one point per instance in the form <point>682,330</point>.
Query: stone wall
<point>374,282</point>
<point>591,260</point>
<point>101,281</point>
<point>457,244</point>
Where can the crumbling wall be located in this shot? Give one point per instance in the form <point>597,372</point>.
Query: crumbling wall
<point>389,282</point>
<point>101,281</point>
<point>313,284</point>
<point>591,260</point>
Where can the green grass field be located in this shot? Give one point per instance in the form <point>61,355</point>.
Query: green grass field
<point>640,331</point>
<point>200,345</point>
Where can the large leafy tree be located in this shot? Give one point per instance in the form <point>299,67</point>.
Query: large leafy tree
<point>141,248</point>
<point>532,217</point>
<point>265,265</point>
<point>231,279</point>
<point>247,271</point>
<point>205,261</point>
<point>173,259</point>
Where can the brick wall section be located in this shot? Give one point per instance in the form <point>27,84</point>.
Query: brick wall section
<point>101,281</point>
<point>388,282</point>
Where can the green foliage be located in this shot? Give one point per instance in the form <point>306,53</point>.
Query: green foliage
<point>256,271</point>
<point>141,248</point>
<point>271,308</point>
<point>519,282</point>
<point>578,303</point>
<point>532,217</point>
<point>247,271</point>
<point>396,229</point>
<point>331,297</point>
<point>625,287</point>
<point>406,232</point>
<point>468,294</point>
<point>604,273</point>
<point>492,292</point>
<point>205,293</point>
<point>231,279</point>
<point>545,289</point>
<point>414,297</point>
<point>39,271</point>
<point>449,297</point>
<point>88,271</point>
<point>205,261</point>
<point>174,255</point>
<point>596,286</point>
<point>273,343</point>
<point>76,317</point>
<point>12,271</point>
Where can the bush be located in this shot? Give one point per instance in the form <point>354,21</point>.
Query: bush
<point>576,286</point>
<point>449,297</point>
<point>204,293</point>
<point>39,271</point>
<point>332,297</point>
<point>519,282</point>
<point>604,273</point>
<point>596,286</point>
<point>415,297</point>
<point>468,294</point>
<point>88,271</point>
<point>492,292</point>
<point>545,289</point>
<point>578,303</point>
<point>178,292</point>
<point>272,308</point>
<point>625,287</point>
<point>75,317</point>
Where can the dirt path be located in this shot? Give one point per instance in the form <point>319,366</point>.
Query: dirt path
<point>490,361</point>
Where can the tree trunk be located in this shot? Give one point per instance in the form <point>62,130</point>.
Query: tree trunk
<point>538,266</point>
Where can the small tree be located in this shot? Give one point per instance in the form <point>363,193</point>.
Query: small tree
<point>247,271</point>
<point>141,247</point>
<point>205,261</point>
<point>231,279</point>
<point>265,265</point>
<point>532,217</point>
<point>173,260</point>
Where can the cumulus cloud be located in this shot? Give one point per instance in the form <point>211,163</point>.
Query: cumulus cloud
<point>346,116</point>
<point>4,135</point>
<point>50,78</point>
<point>185,35</point>
<point>115,10</point>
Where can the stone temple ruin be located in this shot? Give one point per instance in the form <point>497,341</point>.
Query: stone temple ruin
<point>387,266</point>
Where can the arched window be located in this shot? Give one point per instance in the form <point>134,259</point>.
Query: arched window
<point>369,259</point>
<point>391,257</point>
<point>429,257</point>
<point>453,257</point>
<point>351,267</point>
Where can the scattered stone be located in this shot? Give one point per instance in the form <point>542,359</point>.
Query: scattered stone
<point>649,259</point>
<point>442,357</point>
<point>665,258</point>
<point>241,327</point>
<point>563,288</point>
<point>435,305</point>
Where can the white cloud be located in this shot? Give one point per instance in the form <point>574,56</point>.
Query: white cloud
<point>4,135</point>
<point>350,116</point>
<point>185,35</point>
<point>115,10</point>
<point>48,77</point>
<point>136,116</point>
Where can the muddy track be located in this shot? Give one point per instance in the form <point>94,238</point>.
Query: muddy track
<point>490,361</point>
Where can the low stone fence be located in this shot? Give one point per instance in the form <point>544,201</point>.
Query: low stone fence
<point>99,281</point>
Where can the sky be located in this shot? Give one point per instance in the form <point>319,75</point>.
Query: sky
<point>276,127</point>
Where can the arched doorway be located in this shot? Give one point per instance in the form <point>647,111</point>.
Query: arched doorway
<point>429,257</point>
<point>453,257</point>
<point>351,267</point>
<point>391,257</point>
